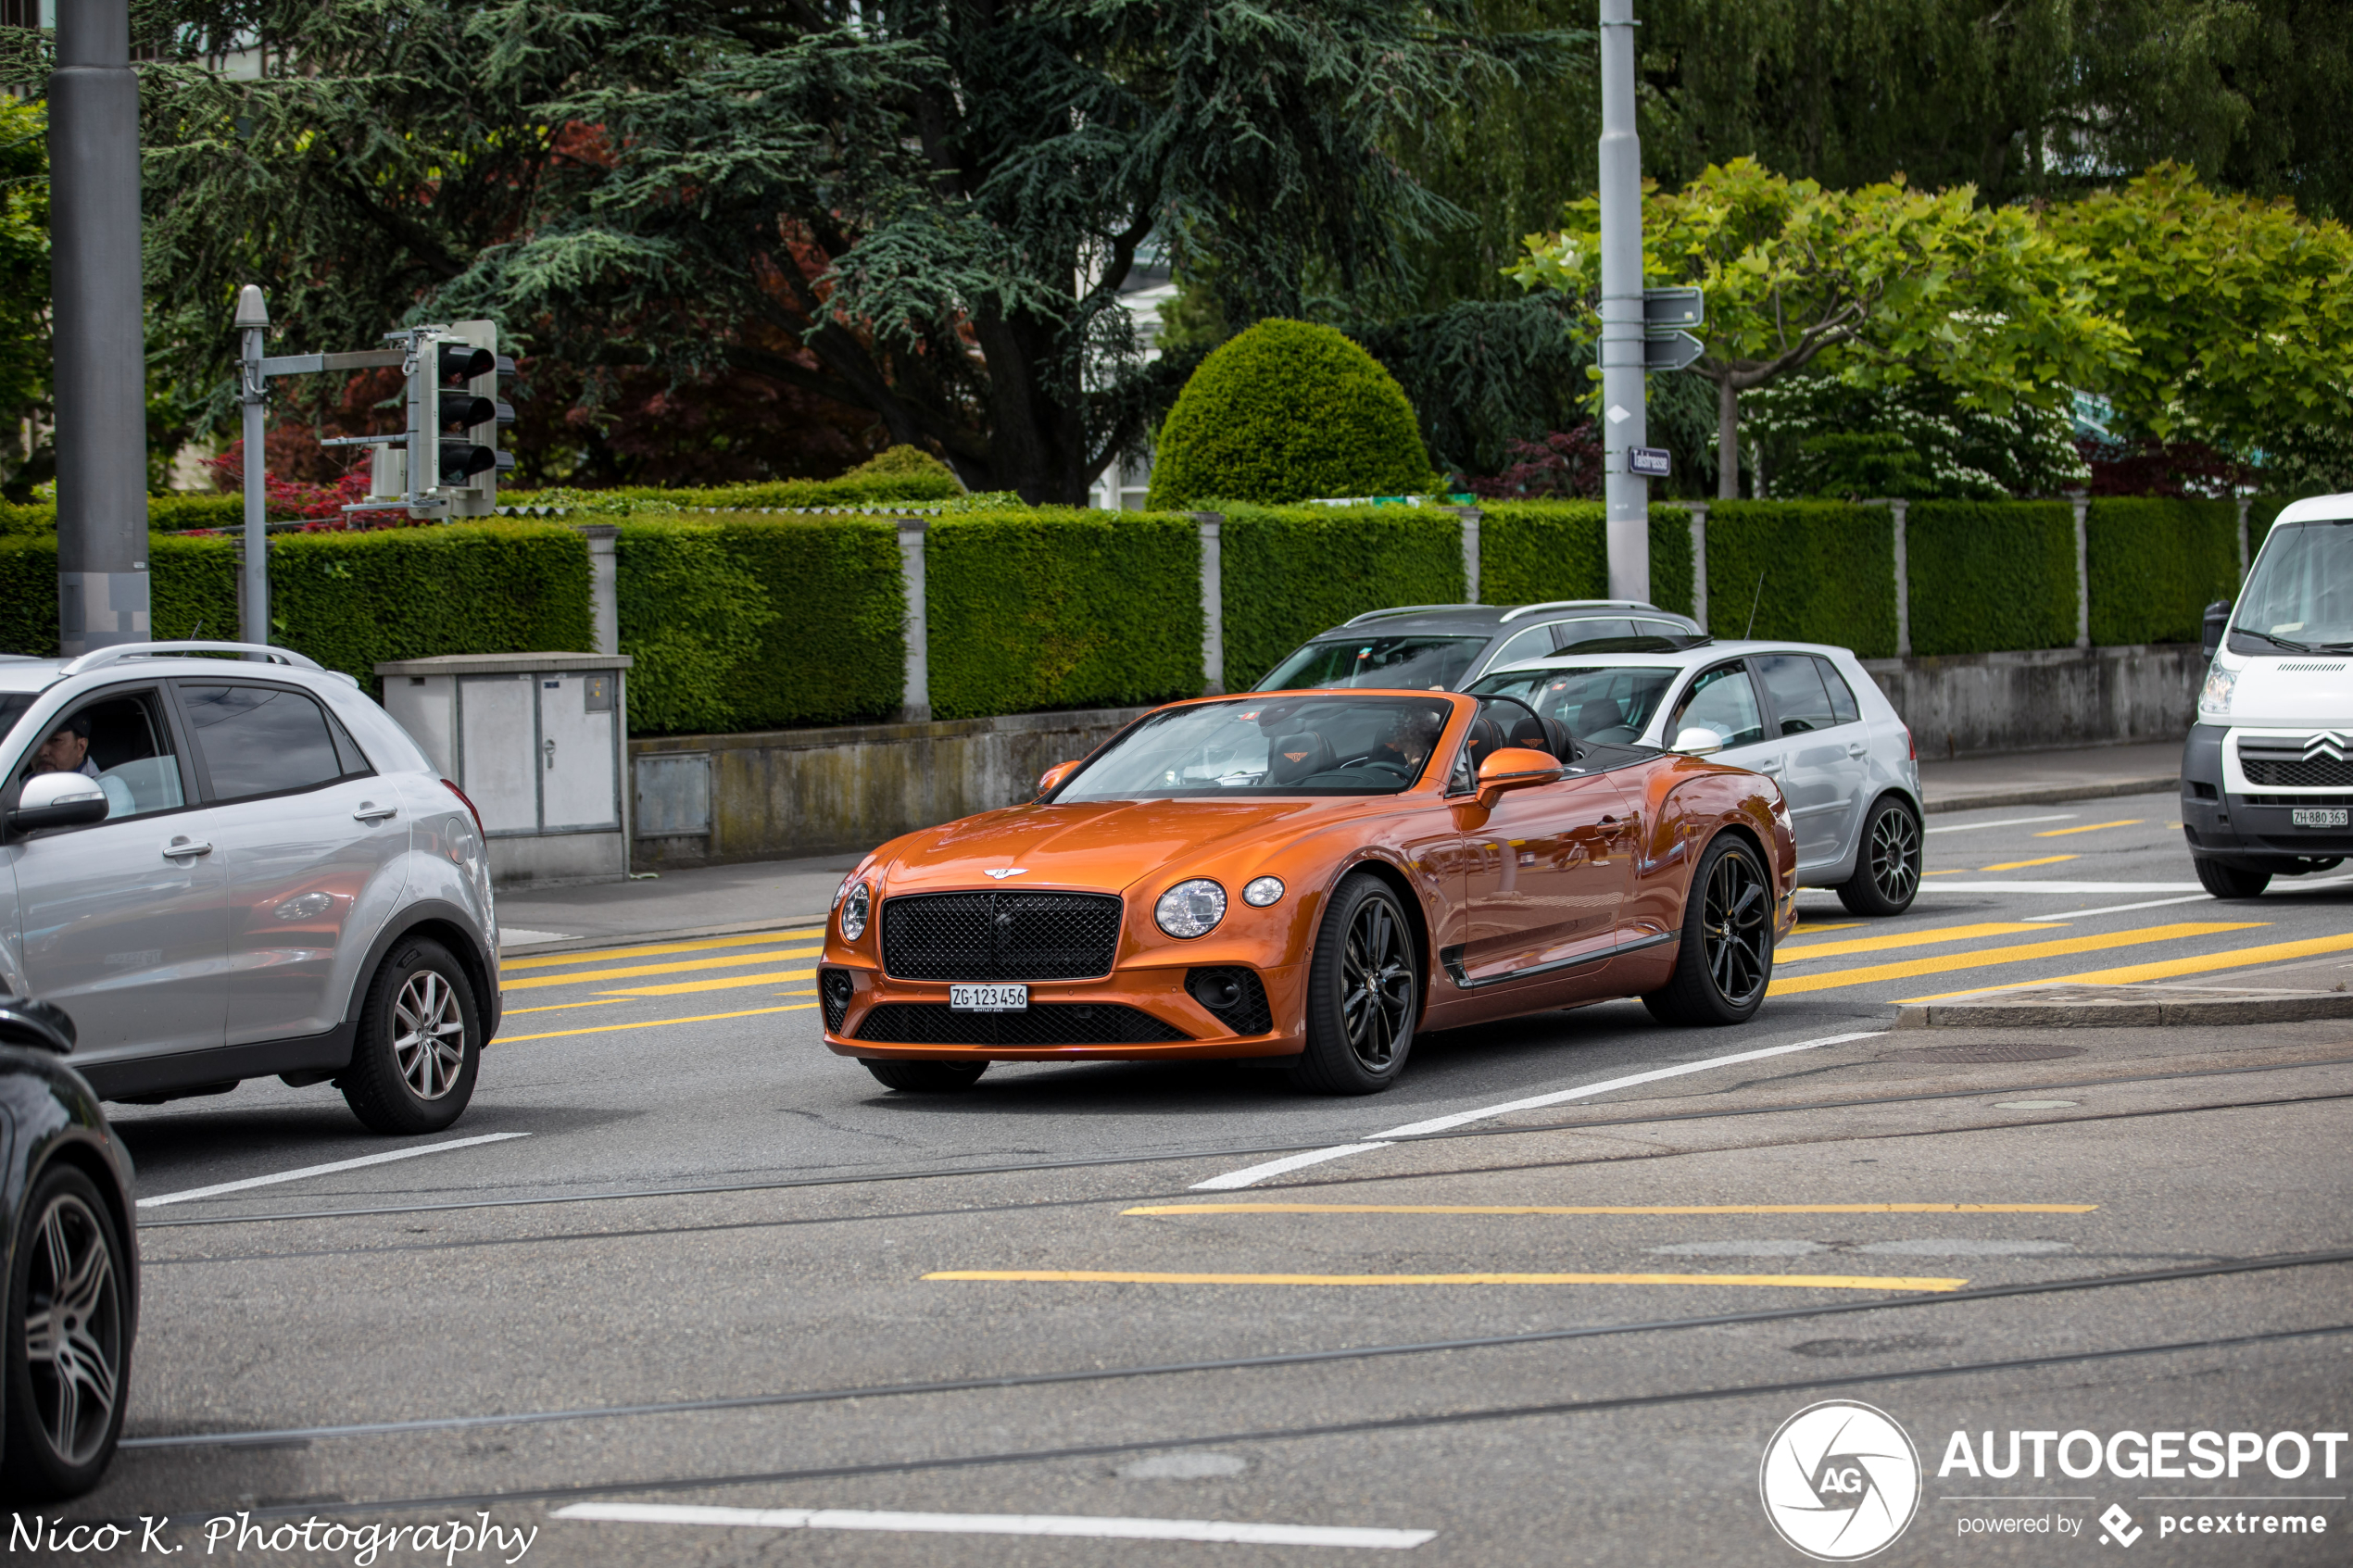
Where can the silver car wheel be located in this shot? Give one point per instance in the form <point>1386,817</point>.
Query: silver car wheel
<point>73,1329</point>
<point>1895,856</point>
<point>429,1035</point>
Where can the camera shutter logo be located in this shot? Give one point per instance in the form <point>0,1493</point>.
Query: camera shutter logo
<point>1840,1481</point>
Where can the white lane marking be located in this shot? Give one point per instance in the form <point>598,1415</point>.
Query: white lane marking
<point>1247,1176</point>
<point>2005,823</point>
<point>328,1169</point>
<point>2119,909</point>
<point>1928,885</point>
<point>1084,1527</point>
<point>515,937</point>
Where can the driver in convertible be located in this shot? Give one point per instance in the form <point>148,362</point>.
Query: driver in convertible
<point>1409,740</point>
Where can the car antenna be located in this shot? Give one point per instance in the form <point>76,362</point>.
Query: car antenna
<point>197,633</point>
<point>1752,607</point>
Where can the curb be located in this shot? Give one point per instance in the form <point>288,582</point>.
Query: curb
<point>2050,795</point>
<point>631,938</point>
<point>2096,1006</point>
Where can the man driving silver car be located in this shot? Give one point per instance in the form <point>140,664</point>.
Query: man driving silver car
<point>67,750</point>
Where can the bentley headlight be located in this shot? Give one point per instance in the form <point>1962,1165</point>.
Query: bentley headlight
<point>1263,891</point>
<point>2215,700</point>
<point>1191,909</point>
<point>853,913</point>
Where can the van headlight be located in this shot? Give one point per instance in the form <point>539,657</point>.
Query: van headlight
<point>1191,909</point>
<point>853,913</point>
<point>2214,702</point>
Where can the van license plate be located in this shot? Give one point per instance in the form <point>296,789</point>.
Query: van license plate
<point>2317,817</point>
<point>989,999</point>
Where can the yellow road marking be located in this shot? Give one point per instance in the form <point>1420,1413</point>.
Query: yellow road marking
<point>2204,963</point>
<point>2021,865</point>
<point>630,972</point>
<point>1108,1276</point>
<point>606,955</point>
<point>1613,1208</point>
<point>685,986</point>
<point>2089,827</point>
<point>653,1023</point>
<point>1982,957</point>
<point>559,1007</point>
<point>1808,928</point>
<point>1907,939</point>
<point>1955,871</point>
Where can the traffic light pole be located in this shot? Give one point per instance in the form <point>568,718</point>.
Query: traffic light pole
<point>99,342</point>
<point>1625,425</point>
<point>253,607</point>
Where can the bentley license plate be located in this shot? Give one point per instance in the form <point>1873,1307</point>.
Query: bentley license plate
<point>989,999</point>
<point>2318,816</point>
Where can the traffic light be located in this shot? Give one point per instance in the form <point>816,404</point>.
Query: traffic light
<point>466,413</point>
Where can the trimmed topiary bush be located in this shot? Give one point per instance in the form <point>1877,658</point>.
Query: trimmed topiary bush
<point>1288,411</point>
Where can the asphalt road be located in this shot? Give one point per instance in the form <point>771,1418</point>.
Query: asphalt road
<point>699,1269</point>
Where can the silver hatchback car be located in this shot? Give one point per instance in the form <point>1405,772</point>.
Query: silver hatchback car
<point>1807,716</point>
<point>228,868</point>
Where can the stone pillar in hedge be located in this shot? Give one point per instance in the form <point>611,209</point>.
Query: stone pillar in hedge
<point>2081,502</point>
<point>1213,603</point>
<point>915,692</point>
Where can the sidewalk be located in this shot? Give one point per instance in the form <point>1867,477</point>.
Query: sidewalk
<point>2035,778</point>
<point>768,895</point>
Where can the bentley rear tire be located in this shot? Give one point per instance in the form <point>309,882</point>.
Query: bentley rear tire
<point>1363,993</point>
<point>925,1077</point>
<point>1726,959</point>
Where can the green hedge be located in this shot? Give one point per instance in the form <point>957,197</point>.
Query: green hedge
<point>1531,551</point>
<point>1827,572</point>
<point>1290,573</point>
<point>1988,575</point>
<point>191,584</point>
<point>1061,608</point>
<point>850,490</point>
<point>759,621</point>
<point>2155,565</point>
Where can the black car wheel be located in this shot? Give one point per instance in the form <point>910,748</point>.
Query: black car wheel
<point>1887,866</point>
<point>925,1077</point>
<point>1726,959</point>
<point>1363,993</point>
<point>69,1340</point>
<point>2230,882</point>
<point>412,1068</point>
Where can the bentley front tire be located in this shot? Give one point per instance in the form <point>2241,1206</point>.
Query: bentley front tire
<point>925,1077</point>
<point>1363,993</point>
<point>1726,957</point>
<point>68,1353</point>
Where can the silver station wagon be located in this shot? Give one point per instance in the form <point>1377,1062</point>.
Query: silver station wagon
<point>224,869</point>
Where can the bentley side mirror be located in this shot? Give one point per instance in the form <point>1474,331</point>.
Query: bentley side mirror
<point>43,1026</point>
<point>1051,780</point>
<point>1515,766</point>
<point>57,800</point>
<point>1698,741</point>
<point>2218,616</point>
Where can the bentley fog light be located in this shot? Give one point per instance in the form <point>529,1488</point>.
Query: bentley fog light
<point>1263,891</point>
<point>2215,700</point>
<point>1191,909</point>
<point>853,913</point>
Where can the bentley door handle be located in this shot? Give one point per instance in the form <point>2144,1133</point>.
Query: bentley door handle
<point>370,812</point>
<point>180,847</point>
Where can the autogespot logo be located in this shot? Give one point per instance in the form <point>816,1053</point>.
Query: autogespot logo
<point>1840,1481</point>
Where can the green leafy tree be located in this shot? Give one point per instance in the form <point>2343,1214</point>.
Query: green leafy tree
<point>1883,283</point>
<point>24,300</point>
<point>1823,435</point>
<point>914,207</point>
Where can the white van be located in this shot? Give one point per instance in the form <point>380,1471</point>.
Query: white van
<point>2267,773</point>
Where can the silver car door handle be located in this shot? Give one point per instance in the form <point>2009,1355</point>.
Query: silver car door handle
<point>370,812</point>
<point>1769,765</point>
<point>1857,749</point>
<point>179,846</point>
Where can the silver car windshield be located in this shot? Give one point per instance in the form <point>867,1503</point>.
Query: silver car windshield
<point>1413,663</point>
<point>2301,595</point>
<point>1601,705</point>
<point>1250,747</point>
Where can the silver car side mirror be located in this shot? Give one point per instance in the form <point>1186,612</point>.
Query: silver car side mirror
<point>55,800</point>
<point>1698,741</point>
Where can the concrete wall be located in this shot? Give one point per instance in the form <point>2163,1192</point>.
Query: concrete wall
<point>2043,701</point>
<point>710,799</point>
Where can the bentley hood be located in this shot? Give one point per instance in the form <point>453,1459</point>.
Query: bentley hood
<point>1102,846</point>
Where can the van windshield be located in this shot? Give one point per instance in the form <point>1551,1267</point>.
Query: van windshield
<point>2301,595</point>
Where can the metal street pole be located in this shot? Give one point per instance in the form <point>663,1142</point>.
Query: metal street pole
<point>100,347</point>
<point>1624,423</point>
<point>253,608</point>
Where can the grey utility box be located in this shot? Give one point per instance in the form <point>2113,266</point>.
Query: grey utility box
<point>538,741</point>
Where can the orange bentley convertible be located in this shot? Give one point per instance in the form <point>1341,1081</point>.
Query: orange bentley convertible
<point>1315,876</point>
